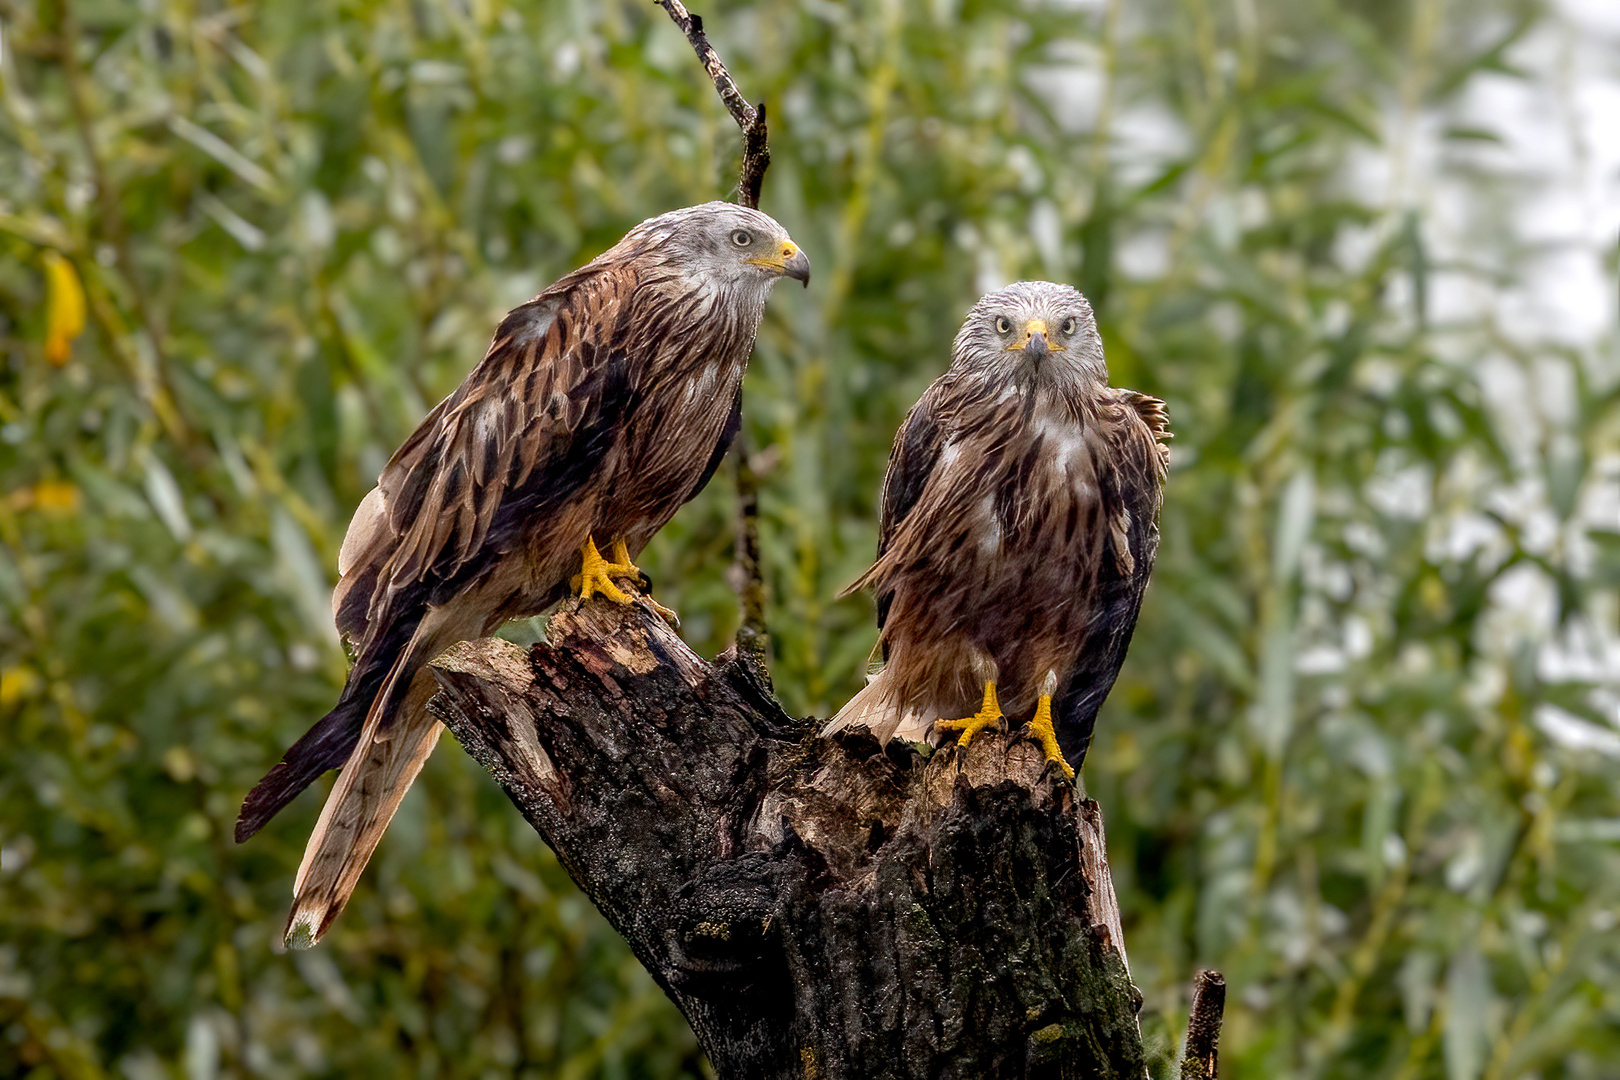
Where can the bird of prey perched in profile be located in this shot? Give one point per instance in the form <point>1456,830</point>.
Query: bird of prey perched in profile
<point>602,405</point>
<point>1019,525</point>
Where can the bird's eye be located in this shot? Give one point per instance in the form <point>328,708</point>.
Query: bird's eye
<point>1069,326</point>
<point>742,238</point>
<point>1003,324</point>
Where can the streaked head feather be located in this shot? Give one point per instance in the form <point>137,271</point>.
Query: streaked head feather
<point>990,341</point>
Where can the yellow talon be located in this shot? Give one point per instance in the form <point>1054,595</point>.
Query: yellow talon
<point>623,565</point>
<point>1040,729</point>
<point>595,575</point>
<point>989,714</point>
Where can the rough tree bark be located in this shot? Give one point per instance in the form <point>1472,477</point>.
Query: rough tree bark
<point>1199,1053</point>
<point>817,909</point>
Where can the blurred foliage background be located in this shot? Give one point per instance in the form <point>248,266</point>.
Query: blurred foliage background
<point>1364,754</point>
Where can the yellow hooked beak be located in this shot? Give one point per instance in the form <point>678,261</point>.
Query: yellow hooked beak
<point>788,261</point>
<point>1034,341</point>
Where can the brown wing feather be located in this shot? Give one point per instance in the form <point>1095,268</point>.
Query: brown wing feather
<point>517,411</point>
<point>952,412</point>
<point>443,487</point>
<point>1132,455</point>
<point>483,453</point>
<point>916,450</point>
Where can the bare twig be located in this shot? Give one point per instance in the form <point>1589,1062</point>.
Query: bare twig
<point>1198,1055</point>
<point>751,120</point>
<point>752,637</point>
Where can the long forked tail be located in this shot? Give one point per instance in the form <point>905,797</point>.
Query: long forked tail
<point>875,707</point>
<point>385,762</point>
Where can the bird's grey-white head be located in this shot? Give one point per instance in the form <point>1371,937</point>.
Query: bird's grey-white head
<point>728,244</point>
<point>1037,332</point>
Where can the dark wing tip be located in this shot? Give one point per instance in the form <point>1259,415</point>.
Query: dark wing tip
<point>324,746</point>
<point>264,802</point>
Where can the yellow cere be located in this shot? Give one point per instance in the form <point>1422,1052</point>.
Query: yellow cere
<point>779,260</point>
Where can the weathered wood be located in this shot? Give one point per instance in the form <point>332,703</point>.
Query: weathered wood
<point>815,908</point>
<point>1199,1057</point>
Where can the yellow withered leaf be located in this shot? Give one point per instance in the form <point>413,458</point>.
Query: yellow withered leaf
<point>64,308</point>
<point>56,497</point>
<point>17,683</point>
<point>48,497</point>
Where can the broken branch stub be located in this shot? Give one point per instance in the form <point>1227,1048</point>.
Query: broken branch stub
<point>1199,1057</point>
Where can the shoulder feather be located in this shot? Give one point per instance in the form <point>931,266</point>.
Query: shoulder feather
<point>1155,416</point>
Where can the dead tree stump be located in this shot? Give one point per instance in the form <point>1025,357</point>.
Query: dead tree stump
<point>817,909</point>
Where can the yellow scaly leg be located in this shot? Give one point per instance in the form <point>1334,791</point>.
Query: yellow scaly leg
<point>989,714</point>
<point>621,559</point>
<point>595,576</point>
<point>1040,729</point>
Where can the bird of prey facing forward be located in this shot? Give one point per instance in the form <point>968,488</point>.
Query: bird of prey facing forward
<point>602,405</point>
<point>1019,525</point>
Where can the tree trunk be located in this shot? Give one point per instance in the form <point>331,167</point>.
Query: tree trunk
<point>816,908</point>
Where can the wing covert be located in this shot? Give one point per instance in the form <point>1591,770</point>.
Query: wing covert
<point>917,447</point>
<point>529,406</point>
<point>1139,460</point>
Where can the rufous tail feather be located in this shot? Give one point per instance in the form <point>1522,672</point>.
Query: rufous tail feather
<point>874,708</point>
<point>384,763</point>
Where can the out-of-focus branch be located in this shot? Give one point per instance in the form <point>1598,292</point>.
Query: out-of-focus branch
<point>1198,1055</point>
<point>752,637</point>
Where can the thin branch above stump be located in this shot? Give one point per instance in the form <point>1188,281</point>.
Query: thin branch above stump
<point>752,636</point>
<point>750,119</point>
